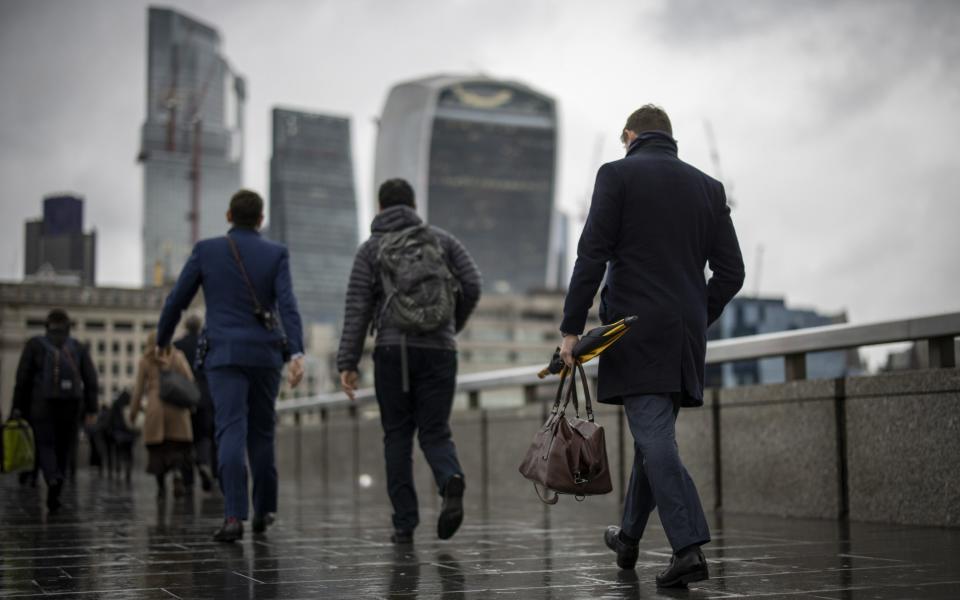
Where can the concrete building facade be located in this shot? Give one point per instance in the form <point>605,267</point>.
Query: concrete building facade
<point>113,322</point>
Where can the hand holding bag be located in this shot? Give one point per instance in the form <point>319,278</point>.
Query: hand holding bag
<point>569,456</point>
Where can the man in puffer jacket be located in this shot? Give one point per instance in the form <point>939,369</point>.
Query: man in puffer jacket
<point>415,368</point>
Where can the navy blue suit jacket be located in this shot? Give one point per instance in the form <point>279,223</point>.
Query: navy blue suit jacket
<point>654,224</point>
<point>234,335</point>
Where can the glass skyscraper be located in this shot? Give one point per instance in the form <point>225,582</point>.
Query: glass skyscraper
<point>194,125</point>
<point>481,156</point>
<point>313,208</point>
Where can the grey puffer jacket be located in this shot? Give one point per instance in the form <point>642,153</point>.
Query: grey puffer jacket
<point>365,291</point>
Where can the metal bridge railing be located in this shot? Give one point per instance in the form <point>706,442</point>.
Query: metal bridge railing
<point>938,331</point>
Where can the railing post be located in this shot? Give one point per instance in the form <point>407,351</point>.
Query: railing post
<point>473,399</point>
<point>484,455</point>
<point>795,366</point>
<point>942,352</point>
<point>530,394</point>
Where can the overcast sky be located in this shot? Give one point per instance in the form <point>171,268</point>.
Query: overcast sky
<point>837,123</point>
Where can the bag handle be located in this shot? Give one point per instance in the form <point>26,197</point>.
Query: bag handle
<point>549,499</point>
<point>556,401</point>
<point>586,392</point>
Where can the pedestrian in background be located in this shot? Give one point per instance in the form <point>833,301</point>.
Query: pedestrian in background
<point>202,418</point>
<point>167,432</point>
<point>418,285</point>
<point>253,328</point>
<point>654,224</point>
<point>56,389</point>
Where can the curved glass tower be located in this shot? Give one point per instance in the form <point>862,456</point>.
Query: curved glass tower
<point>481,156</point>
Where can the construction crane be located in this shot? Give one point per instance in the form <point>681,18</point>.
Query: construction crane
<point>715,159</point>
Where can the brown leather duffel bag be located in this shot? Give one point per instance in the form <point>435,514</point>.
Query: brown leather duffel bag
<point>568,456</point>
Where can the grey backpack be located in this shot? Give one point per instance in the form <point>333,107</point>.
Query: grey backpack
<point>420,292</point>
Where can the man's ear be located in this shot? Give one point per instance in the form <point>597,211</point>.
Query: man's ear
<point>229,216</point>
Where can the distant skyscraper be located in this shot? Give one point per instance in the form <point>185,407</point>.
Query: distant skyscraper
<point>481,156</point>
<point>751,316</point>
<point>191,140</point>
<point>56,248</point>
<point>313,207</point>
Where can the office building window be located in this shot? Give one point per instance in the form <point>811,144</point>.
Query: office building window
<point>129,368</point>
<point>36,324</point>
<point>116,347</point>
<point>115,369</point>
<point>123,326</point>
<point>95,325</point>
<point>102,347</point>
<point>129,347</point>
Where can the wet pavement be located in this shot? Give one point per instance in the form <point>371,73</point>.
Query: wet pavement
<point>112,540</point>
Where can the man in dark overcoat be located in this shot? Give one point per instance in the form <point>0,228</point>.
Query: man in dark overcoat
<point>654,223</point>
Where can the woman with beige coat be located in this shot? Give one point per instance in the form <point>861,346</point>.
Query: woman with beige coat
<point>167,431</point>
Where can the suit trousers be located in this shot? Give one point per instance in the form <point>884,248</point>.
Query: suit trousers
<point>659,479</point>
<point>424,409</point>
<point>244,400</point>
<point>55,442</point>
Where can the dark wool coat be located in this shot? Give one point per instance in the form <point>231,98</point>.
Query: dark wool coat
<point>655,222</point>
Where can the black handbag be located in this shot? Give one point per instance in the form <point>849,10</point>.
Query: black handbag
<point>177,390</point>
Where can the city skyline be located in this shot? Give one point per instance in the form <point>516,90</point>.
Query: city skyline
<point>812,106</point>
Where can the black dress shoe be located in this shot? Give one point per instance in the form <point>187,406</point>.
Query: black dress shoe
<point>231,531</point>
<point>261,522</point>
<point>686,566</point>
<point>627,554</point>
<point>451,514</point>
<point>402,536</point>
<point>53,496</point>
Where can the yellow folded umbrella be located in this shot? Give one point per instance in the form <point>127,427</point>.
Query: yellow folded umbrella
<point>591,345</point>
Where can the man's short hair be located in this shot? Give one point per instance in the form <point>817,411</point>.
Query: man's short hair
<point>396,192</point>
<point>648,117</point>
<point>246,208</point>
<point>58,319</point>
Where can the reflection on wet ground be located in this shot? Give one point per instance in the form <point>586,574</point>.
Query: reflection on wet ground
<point>115,541</point>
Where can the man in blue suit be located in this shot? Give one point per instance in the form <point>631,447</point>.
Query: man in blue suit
<point>246,283</point>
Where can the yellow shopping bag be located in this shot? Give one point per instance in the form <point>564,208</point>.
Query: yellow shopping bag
<point>19,451</point>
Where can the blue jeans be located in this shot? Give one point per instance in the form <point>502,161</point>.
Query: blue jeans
<point>659,480</point>
<point>244,400</point>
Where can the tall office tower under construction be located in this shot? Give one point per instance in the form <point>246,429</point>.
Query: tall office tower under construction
<point>191,141</point>
<point>481,156</point>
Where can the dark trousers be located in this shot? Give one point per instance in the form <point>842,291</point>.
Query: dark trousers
<point>55,441</point>
<point>424,409</point>
<point>659,480</point>
<point>244,401</point>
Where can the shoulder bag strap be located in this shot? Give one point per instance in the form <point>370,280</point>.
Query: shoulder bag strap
<point>243,271</point>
